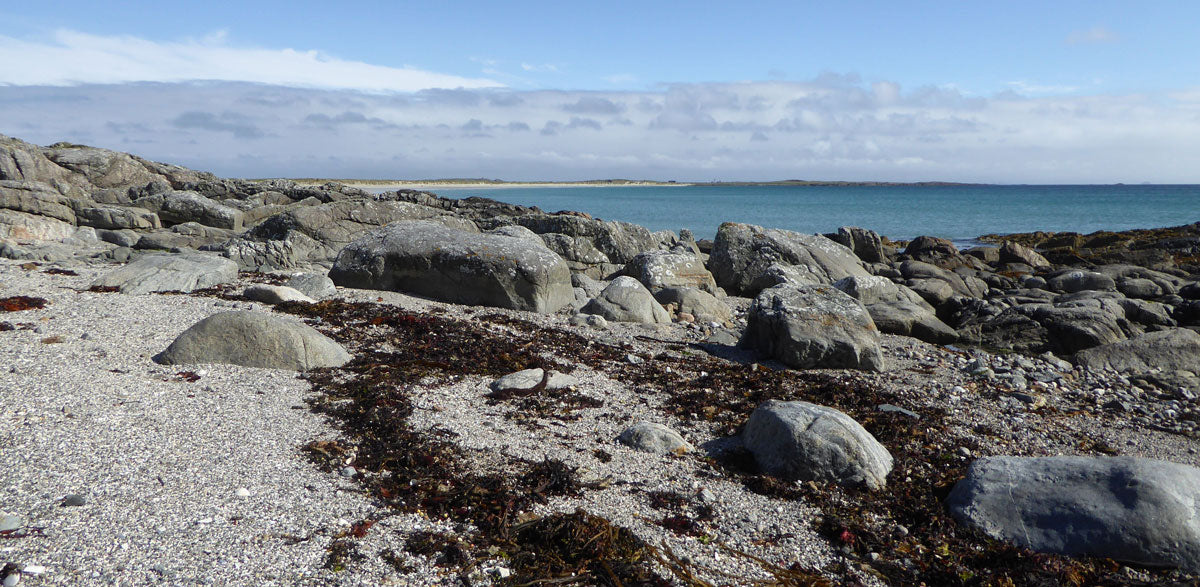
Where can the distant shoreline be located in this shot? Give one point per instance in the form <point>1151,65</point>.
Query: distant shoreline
<point>425,184</point>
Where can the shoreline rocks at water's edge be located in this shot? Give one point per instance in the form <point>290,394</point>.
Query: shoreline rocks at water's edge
<point>1012,299</point>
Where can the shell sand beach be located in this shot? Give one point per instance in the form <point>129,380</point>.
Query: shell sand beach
<point>887,417</point>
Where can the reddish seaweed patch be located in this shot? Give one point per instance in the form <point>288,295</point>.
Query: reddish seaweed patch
<point>19,303</point>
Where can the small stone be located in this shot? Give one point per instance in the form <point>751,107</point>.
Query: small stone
<point>964,451</point>
<point>74,500</point>
<point>242,492</point>
<point>706,496</point>
<point>1035,401</point>
<point>889,408</point>
<point>9,522</point>
<point>349,472</point>
<point>634,359</point>
<point>34,570</point>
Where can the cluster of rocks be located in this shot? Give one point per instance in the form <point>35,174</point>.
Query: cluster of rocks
<point>808,301</point>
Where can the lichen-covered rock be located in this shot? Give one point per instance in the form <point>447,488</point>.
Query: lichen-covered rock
<point>25,227</point>
<point>743,255</point>
<point>254,339</point>
<point>428,258</point>
<point>814,327</point>
<point>803,441</point>
<point>1142,511</point>
<point>659,269</point>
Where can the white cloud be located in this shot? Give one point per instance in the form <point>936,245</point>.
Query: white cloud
<point>1094,35</point>
<point>542,68</point>
<point>821,129</point>
<point>72,58</point>
<point>1027,88</point>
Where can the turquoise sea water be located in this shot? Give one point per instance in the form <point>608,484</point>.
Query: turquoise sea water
<point>959,213</point>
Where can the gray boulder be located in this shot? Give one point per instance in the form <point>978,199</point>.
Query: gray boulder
<point>1011,252</point>
<point>627,300</point>
<point>619,241</point>
<point>275,294</point>
<point>118,218</point>
<point>1075,280</point>
<point>814,327</point>
<point>703,306</point>
<point>1176,349</point>
<point>1142,511</point>
<point>180,207</point>
<point>961,284</point>
<point>803,441</point>
<point>190,235</point>
<point>430,259</point>
<point>743,256</point>
<point>184,272</point>
<point>254,339</point>
<point>655,438</point>
<point>659,269</point>
<point>35,198</point>
<point>896,309</point>
<point>317,286</point>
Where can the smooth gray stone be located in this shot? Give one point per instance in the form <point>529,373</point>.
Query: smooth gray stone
<point>427,258</point>
<point>314,285</point>
<point>184,272</point>
<point>655,438</point>
<point>702,305</point>
<point>1142,511</point>
<point>627,300</point>
<point>802,441</point>
<point>1076,280</point>
<point>530,378</point>
<point>275,294</point>
<point>254,339</point>
<point>813,326</point>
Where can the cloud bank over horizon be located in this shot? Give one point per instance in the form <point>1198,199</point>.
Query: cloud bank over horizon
<point>833,127</point>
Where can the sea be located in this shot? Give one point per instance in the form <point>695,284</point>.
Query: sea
<point>960,213</point>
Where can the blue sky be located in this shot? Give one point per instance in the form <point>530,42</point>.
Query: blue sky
<point>1010,92</point>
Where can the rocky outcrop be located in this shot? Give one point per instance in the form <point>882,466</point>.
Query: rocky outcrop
<point>747,259</point>
<point>1136,510</point>
<point>620,242</point>
<point>427,258</point>
<point>1176,349</point>
<point>896,309</point>
<point>812,326</point>
<point>180,207</point>
<point>184,273</point>
<point>36,198</point>
<point>254,339</point>
<point>865,244</point>
<point>803,441</point>
<point>118,218</point>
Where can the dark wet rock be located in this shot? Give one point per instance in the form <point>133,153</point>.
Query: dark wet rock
<point>181,207</point>
<point>1076,280</point>
<point>185,272</point>
<point>627,300</point>
<point>1147,313</point>
<point>1063,329</point>
<point>865,244</point>
<point>660,269</point>
<point>747,259</point>
<point>700,304</point>
<point>1136,510</point>
<point>654,438</point>
<point>1176,349</point>
<point>929,247</point>
<point>254,339</point>
<point>428,258</point>
<point>803,441</point>
<point>813,327</point>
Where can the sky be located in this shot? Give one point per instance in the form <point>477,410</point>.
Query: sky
<point>998,92</point>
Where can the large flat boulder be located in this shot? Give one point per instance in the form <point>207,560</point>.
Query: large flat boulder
<point>744,255</point>
<point>430,259</point>
<point>803,441</point>
<point>35,198</point>
<point>1176,349</point>
<point>118,218</point>
<point>183,272</point>
<point>254,339</point>
<point>26,227</point>
<point>813,326</point>
<point>1142,511</point>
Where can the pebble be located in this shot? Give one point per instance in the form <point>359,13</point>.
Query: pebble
<point>349,472</point>
<point>74,500</point>
<point>242,492</point>
<point>9,522</point>
<point>634,359</point>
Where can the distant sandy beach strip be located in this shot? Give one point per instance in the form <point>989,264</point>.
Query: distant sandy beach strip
<point>436,185</point>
